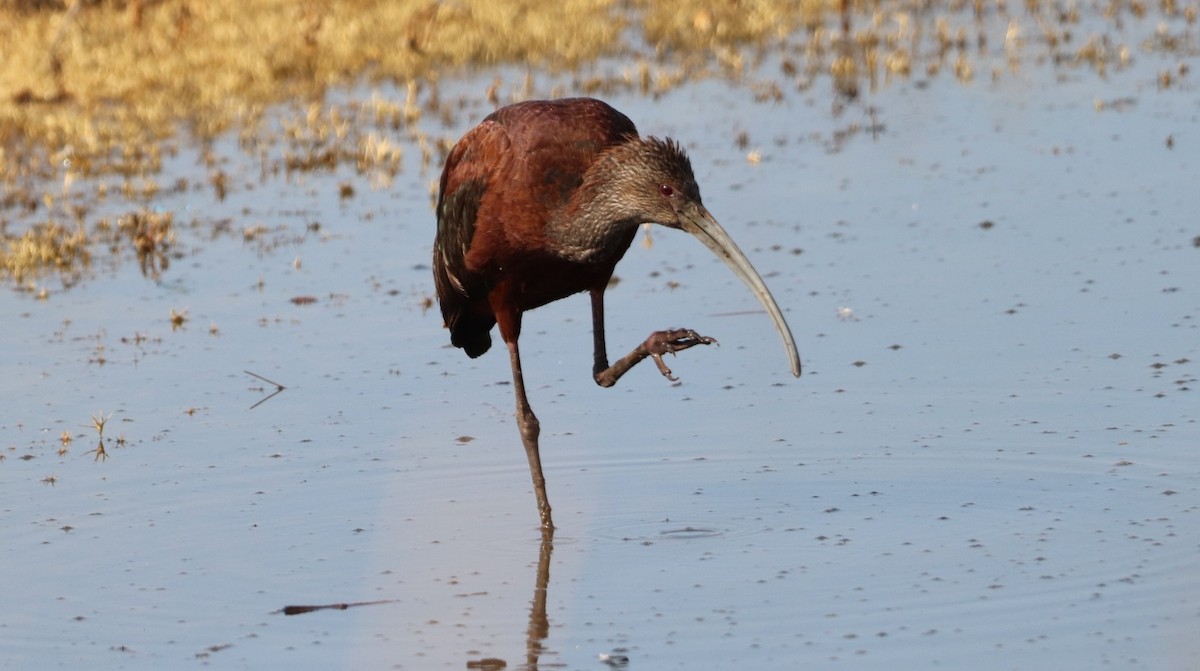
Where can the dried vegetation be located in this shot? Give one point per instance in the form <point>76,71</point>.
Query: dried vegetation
<point>95,94</point>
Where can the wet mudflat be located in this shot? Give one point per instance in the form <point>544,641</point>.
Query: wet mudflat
<point>991,460</point>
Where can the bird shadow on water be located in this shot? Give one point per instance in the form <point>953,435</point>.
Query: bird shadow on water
<point>536,633</point>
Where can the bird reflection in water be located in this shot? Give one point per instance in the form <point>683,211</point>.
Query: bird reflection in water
<point>535,635</point>
<point>539,624</point>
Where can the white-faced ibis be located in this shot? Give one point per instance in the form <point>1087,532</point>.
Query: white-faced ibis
<point>539,202</point>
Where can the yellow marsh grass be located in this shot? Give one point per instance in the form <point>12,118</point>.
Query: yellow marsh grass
<point>102,77</point>
<point>99,83</point>
<point>47,245</point>
<point>94,88</point>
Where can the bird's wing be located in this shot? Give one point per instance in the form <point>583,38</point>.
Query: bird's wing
<point>462,293</point>
<point>465,179</point>
<point>556,142</point>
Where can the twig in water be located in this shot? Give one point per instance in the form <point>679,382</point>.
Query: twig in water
<point>278,388</point>
<point>300,610</point>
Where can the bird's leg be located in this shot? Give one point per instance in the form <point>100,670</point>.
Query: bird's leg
<point>658,344</point>
<point>528,423</point>
<point>599,351</point>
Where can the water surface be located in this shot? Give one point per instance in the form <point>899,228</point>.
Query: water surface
<point>990,461</point>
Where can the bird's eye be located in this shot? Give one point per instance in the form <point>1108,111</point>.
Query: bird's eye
<point>666,191</point>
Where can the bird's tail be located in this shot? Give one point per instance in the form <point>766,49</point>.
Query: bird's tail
<point>471,332</point>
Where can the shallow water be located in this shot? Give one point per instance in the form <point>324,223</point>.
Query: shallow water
<point>991,460</point>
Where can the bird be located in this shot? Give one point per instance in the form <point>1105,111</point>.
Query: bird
<point>539,202</point>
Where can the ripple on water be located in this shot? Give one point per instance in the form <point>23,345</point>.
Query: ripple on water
<point>926,553</point>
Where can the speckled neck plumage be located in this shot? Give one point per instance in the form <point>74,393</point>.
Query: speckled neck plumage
<point>613,198</point>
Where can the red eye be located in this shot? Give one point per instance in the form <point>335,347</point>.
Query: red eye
<point>666,191</point>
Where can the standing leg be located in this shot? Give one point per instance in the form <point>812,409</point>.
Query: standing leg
<point>508,319</point>
<point>530,428</point>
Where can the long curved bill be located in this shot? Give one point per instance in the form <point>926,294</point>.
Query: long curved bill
<point>697,221</point>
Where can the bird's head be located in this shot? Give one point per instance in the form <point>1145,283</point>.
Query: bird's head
<point>648,180</point>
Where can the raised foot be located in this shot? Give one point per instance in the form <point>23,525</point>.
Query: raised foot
<point>670,342</point>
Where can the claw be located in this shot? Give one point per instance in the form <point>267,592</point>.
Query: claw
<point>662,367</point>
<point>670,342</point>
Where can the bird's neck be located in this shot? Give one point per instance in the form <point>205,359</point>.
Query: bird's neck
<point>592,228</point>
